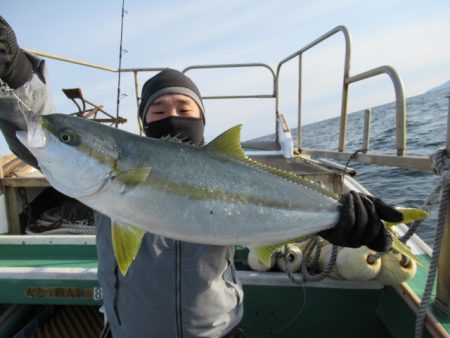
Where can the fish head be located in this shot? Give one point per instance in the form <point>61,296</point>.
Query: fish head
<point>75,156</point>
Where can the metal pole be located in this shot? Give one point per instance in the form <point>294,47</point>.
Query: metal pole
<point>136,88</point>
<point>443,280</point>
<point>345,84</point>
<point>299,121</point>
<point>138,101</point>
<point>366,137</point>
<point>119,75</point>
<point>448,127</point>
<point>74,61</point>
<point>400,106</point>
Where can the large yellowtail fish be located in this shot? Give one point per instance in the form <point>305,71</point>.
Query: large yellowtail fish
<point>210,195</point>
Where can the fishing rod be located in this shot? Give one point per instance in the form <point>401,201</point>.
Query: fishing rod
<point>120,64</point>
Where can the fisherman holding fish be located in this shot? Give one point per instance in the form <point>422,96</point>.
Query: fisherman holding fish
<point>174,288</point>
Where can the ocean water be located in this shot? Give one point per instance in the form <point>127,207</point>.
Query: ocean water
<point>426,133</point>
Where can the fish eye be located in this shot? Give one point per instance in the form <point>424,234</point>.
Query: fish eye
<point>68,136</point>
<point>65,138</point>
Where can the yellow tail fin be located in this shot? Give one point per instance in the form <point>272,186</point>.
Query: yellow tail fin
<point>409,215</point>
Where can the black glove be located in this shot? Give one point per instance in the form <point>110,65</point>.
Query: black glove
<point>360,223</point>
<point>15,68</point>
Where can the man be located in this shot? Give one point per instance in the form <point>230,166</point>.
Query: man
<point>181,289</point>
<point>173,288</point>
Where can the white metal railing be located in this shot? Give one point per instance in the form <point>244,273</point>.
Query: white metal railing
<point>398,161</point>
<point>347,80</point>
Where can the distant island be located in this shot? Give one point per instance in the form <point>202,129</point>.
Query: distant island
<point>445,85</point>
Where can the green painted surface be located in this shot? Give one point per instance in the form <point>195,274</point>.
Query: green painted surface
<point>50,292</point>
<point>63,256</point>
<point>31,291</point>
<point>396,315</point>
<point>30,255</point>
<point>418,286</point>
<point>269,311</point>
<point>312,312</point>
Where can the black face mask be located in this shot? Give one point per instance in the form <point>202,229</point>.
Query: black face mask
<point>187,129</point>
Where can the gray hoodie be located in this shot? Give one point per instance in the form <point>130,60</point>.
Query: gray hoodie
<point>173,288</point>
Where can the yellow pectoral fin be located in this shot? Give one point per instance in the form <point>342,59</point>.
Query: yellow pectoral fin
<point>264,253</point>
<point>126,240</point>
<point>134,176</point>
<point>409,215</point>
<point>405,250</point>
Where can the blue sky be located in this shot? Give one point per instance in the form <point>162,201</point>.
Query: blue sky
<point>411,36</point>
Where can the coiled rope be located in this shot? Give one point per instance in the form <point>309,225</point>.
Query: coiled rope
<point>54,221</point>
<point>305,275</point>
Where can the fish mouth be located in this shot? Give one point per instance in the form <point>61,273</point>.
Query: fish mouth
<point>37,141</point>
<point>75,190</point>
<point>22,136</point>
<point>35,136</point>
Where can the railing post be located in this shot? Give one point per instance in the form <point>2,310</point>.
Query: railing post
<point>138,100</point>
<point>136,88</point>
<point>366,137</point>
<point>448,126</point>
<point>400,104</point>
<point>345,84</point>
<point>299,121</point>
<point>443,280</point>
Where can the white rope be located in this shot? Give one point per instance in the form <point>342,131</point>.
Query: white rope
<point>442,169</point>
<point>305,275</point>
<point>51,222</point>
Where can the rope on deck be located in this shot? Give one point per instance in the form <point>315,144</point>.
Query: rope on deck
<point>68,219</point>
<point>308,262</point>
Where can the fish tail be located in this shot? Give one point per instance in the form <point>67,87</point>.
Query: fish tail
<point>409,215</point>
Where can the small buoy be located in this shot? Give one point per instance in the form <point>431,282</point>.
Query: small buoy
<point>395,269</point>
<point>293,255</point>
<point>353,264</point>
<point>256,265</point>
<point>325,255</point>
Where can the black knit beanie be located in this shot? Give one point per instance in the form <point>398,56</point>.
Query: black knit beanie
<point>168,81</point>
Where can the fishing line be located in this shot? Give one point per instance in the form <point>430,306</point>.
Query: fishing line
<point>294,317</point>
<point>120,64</point>
<point>352,156</point>
<point>7,89</point>
<point>30,118</point>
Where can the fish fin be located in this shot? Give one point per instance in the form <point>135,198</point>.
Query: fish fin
<point>264,253</point>
<point>126,240</point>
<point>175,139</point>
<point>292,177</point>
<point>401,247</point>
<point>409,215</point>
<point>133,176</point>
<point>228,143</point>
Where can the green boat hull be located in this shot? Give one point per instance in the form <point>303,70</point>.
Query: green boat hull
<point>286,310</point>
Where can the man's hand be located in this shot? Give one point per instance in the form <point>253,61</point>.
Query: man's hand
<point>360,223</point>
<point>15,68</point>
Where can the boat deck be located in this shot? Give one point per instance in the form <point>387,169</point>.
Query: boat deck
<point>44,270</point>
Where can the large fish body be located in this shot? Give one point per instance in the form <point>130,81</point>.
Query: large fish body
<point>210,195</point>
